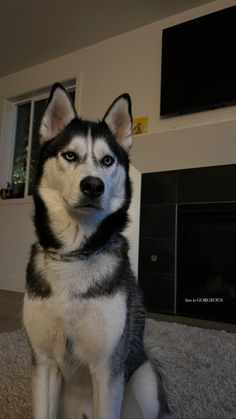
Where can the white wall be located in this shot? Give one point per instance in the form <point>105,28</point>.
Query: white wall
<point>132,232</point>
<point>130,62</point>
<point>17,235</point>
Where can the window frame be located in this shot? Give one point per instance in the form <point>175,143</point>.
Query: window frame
<point>8,137</point>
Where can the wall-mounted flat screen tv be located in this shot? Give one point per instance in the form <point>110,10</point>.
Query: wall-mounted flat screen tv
<point>199,64</point>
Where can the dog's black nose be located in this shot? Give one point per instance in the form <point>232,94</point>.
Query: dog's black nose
<point>92,186</point>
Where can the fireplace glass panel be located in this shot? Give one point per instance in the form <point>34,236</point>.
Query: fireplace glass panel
<point>206,261</point>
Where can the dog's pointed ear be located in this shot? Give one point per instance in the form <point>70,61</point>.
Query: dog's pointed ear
<point>119,120</point>
<point>59,112</point>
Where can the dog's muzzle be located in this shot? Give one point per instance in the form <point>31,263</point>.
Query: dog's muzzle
<point>92,187</point>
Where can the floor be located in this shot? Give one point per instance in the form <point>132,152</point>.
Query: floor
<point>10,310</point>
<point>205,324</point>
<point>11,315</point>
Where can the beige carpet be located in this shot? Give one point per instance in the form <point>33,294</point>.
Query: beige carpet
<point>199,364</point>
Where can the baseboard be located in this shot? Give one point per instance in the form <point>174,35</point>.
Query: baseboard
<point>11,283</point>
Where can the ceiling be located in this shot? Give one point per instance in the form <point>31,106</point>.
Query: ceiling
<point>33,31</point>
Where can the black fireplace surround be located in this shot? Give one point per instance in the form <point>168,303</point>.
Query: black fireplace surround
<point>187,257</point>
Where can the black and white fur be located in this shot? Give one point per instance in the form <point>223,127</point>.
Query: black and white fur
<point>83,312</point>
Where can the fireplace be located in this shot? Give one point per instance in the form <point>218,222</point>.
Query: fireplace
<point>187,258</point>
<point>206,261</point>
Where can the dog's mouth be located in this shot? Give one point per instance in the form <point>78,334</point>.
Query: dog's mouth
<point>85,206</point>
<point>88,205</point>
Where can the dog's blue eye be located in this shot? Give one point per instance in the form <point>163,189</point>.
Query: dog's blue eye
<point>69,156</point>
<point>108,160</point>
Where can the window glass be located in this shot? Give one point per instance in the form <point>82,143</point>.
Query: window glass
<point>22,140</point>
<point>39,107</point>
<point>21,144</point>
<point>72,95</point>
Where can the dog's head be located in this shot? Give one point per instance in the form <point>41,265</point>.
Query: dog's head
<point>85,163</point>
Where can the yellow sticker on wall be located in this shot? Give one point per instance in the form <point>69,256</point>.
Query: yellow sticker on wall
<point>140,125</point>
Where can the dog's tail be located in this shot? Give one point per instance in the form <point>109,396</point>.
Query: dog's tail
<point>152,352</point>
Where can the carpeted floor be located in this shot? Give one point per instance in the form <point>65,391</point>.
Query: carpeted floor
<point>199,365</point>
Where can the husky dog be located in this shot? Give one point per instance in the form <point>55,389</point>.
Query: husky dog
<point>82,308</point>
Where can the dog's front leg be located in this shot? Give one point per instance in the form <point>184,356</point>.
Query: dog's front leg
<point>40,387</point>
<point>55,380</point>
<point>46,391</point>
<point>107,394</point>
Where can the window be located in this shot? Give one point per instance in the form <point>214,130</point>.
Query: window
<point>28,112</point>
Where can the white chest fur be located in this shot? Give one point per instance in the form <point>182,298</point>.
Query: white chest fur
<point>94,325</point>
<point>75,277</point>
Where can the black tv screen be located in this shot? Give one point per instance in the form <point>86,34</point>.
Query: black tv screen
<point>199,64</point>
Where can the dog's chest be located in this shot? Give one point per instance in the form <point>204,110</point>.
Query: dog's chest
<point>75,278</point>
<point>91,326</point>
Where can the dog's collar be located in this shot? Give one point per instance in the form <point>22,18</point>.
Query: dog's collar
<point>76,255</point>
<point>66,257</point>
